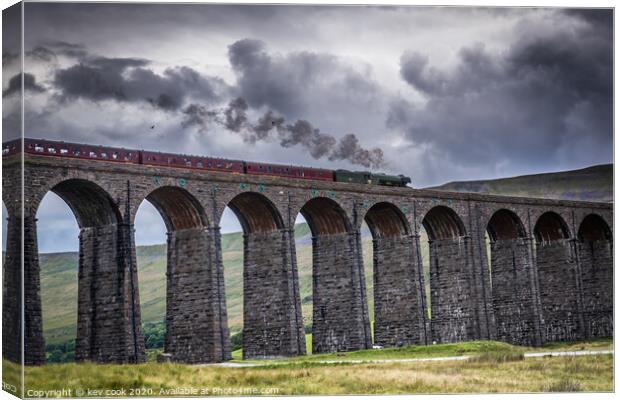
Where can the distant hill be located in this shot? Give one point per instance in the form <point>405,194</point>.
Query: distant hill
<point>588,184</point>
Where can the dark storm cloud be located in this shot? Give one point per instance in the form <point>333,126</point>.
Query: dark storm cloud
<point>194,97</point>
<point>547,93</point>
<point>292,82</point>
<point>129,79</point>
<point>72,50</point>
<point>15,85</point>
<point>41,54</point>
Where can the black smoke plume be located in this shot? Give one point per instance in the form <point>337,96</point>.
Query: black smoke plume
<point>273,127</point>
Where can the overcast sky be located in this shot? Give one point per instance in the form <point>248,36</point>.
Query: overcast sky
<point>438,94</point>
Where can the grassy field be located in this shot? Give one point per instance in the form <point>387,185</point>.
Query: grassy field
<point>498,368</point>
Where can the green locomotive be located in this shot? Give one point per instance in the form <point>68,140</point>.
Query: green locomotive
<point>368,178</point>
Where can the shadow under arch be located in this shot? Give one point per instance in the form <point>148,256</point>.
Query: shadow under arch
<point>452,299</point>
<point>385,220</point>
<point>90,203</point>
<point>442,222</point>
<point>550,227</point>
<point>272,322</point>
<point>594,228</point>
<point>178,208</point>
<point>512,280</point>
<point>256,213</point>
<point>325,217</point>
<point>505,225</point>
<point>340,320</point>
<point>558,279</point>
<point>595,254</point>
<point>399,303</point>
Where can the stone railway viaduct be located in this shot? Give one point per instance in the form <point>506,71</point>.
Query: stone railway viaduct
<point>551,263</point>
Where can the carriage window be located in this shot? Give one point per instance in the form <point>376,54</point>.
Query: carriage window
<point>76,152</point>
<point>127,156</point>
<point>115,155</point>
<point>64,151</point>
<point>6,150</point>
<point>219,165</point>
<point>269,168</point>
<point>209,164</point>
<point>188,163</point>
<point>199,164</point>
<point>104,155</point>
<point>93,154</point>
<point>38,148</point>
<point>51,150</point>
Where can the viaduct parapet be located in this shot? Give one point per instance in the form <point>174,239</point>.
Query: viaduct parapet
<point>550,277</point>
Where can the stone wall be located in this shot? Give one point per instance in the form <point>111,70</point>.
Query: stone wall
<point>597,277</point>
<point>270,318</point>
<point>400,316</point>
<point>558,291</point>
<point>338,322</point>
<point>109,328</point>
<point>194,330</point>
<point>514,301</point>
<point>452,299</point>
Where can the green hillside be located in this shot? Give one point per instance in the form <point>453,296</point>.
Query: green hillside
<point>588,184</point>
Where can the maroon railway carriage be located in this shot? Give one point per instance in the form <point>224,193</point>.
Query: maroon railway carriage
<point>193,162</point>
<point>74,150</point>
<point>254,168</point>
<point>12,147</point>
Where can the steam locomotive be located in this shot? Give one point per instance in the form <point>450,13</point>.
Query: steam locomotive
<point>44,147</point>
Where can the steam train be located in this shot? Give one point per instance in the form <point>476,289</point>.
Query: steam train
<point>44,147</point>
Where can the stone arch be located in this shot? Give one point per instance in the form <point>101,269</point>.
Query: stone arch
<point>550,227</point>
<point>512,291</point>
<point>68,180</point>
<point>195,318</point>
<point>272,324</point>
<point>442,222</point>
<point>340,320</point>
<point>399,306</point>
<point>178,208</point>
<point>595,254</point>
<point>386,220</point>
<point>452,297</point>
<point>108,328</point>
<point>558,279</point>
<point>505,224</point>
<point>594,228</point>
<point>325,217</point>
<point>256,213</point>
<point>91,204</point>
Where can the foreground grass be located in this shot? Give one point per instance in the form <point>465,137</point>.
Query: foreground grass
<point>446,350</point>
<point>585,373</point>
<point>494,368</point>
